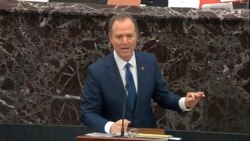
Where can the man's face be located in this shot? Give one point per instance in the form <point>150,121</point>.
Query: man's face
<point>123,37</point>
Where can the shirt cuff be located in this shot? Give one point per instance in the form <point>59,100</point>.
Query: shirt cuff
<point>182,105</point>
<point>108,126</point>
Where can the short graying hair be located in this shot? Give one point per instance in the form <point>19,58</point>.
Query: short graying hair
<point>121,17</point>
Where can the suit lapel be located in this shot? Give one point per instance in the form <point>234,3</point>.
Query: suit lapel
<point>115,77</point>
<point>140,74</point>
<point>114,74</point>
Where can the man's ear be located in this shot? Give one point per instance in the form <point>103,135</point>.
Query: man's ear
<point>109,37</point>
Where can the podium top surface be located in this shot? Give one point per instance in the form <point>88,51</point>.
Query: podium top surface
<point>88,138</point>
<point>140,130</point>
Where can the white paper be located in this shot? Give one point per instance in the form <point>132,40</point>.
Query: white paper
<point>153,136</point>
<point>97,134</point>
<point>228,6</point>
<point>184,3</point>
<point>175,139</point>
<point>139,135</point>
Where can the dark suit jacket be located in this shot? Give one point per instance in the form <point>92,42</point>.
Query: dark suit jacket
<point>104,93</point>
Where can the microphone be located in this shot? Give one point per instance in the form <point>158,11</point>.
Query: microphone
<point>124,108</point>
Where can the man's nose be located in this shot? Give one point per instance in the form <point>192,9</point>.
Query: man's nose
<point>124,40</point>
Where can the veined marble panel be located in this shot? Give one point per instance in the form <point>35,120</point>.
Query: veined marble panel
<point>45,49</point>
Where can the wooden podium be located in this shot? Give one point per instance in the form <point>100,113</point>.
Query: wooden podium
<point>141,130</point>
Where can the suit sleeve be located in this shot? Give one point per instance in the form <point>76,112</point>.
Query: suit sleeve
<point>92,103</point>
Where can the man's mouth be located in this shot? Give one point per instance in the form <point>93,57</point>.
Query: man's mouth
<point>125,47</point>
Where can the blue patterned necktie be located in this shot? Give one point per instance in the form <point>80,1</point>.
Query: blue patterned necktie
<point>130,86</point>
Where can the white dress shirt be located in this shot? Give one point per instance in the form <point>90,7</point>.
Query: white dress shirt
<point>122,69</point>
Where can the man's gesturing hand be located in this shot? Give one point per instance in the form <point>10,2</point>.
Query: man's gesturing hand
<point>192,98</point>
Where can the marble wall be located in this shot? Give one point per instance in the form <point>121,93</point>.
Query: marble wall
<point>45,49</point>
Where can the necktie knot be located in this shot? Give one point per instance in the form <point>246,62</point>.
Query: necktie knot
<point>127,66</point>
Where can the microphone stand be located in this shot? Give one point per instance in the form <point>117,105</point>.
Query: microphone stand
<point>124,108</point>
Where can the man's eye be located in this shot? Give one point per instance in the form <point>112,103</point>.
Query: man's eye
<point>130,36</point>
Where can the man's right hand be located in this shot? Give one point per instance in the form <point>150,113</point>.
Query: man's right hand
<point>117,126</point>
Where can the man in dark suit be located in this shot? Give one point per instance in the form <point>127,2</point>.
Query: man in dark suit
<point>106,84</point>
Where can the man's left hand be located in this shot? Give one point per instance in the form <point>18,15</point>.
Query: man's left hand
<point>192,98</point>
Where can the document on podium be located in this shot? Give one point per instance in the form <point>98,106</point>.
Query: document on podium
<point>157,136</point>
<point>138,135</point>
<point>98,134</point>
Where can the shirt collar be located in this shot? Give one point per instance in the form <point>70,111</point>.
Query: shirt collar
<point>121,63</point>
